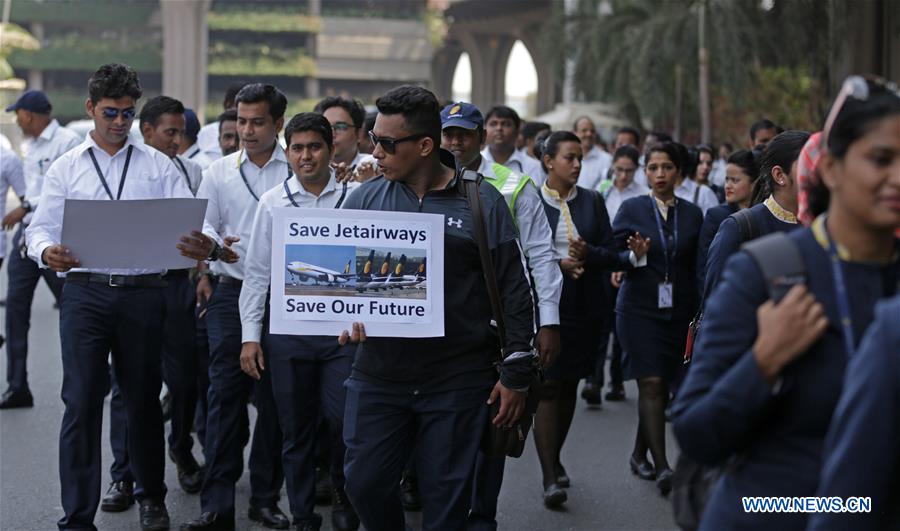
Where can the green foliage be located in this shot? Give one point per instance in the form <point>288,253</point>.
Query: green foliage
<point>259,59</point>
<point>114,13</point>
<point>79,52</point>
<point>263,21</point>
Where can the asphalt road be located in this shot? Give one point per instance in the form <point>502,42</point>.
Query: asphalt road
<point>604,494</point>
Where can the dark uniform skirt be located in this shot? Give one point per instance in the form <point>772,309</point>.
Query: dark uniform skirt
<point>650,347</point>
<point>577,354</point>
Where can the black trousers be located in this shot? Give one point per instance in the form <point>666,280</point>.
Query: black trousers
<point>227,425</point>
<point>96,320</point>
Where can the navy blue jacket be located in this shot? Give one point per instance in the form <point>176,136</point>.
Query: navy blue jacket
<point>714,217</point>
<point>584,300</point>
<point>464,356</point>
<point>639,294</point>
<point>728,241</point>
<point>862,450</point>
<point>726,409</point>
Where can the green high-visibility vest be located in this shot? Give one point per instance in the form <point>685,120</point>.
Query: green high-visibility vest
<point>508,187</point>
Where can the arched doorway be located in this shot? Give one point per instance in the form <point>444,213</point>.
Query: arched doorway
<point>521,81</point>
<point>462,79</point>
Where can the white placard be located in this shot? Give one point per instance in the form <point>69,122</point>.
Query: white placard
<point>331,268</point>
<point>131,234</point>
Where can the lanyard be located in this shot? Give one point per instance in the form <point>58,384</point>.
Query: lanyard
<point>843,298</point>
<point>183,171</point>
<point>247,183</point>
<point>103,179</point>
<point>287,191</point>
<point>662,236</point>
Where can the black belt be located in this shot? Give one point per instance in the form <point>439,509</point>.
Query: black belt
<point>225,280</point>
<point>177,273</point>
<point>154,280</point>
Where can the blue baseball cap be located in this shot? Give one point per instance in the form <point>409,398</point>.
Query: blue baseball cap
<point>32,100</point>
<point>463,115</point>
<point>191,124</point>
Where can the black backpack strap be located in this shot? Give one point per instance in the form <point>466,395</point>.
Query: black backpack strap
<point>747,225</point>
<point>780,261</point>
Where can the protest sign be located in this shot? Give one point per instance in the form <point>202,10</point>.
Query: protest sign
<point>331,268</point>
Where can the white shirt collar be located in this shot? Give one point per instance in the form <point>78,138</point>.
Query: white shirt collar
<point>296,188</point>
<point>277,154</point>
<point>129,141</point>
<point>49,131</point>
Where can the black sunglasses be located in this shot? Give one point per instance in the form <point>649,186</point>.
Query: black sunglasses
<point>111,113</point>
<point>858,88</point>
<point>389,145</point>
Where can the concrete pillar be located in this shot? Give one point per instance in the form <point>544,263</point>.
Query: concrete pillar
<point>489,55</point>
<point>185,40</point>
<point>443,68</point>
<point>36,77</point>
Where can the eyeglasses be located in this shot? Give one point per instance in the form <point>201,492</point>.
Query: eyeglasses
<point>623,171</point>
<point>111,113</point>
<point>389,145</point>
<point>340,127</point>
<point>858,88</point>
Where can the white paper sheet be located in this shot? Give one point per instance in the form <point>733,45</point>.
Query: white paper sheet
<point>140,233</point>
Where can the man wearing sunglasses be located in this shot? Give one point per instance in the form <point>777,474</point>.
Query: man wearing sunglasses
<point>117,311</point>
<point>429,397</point>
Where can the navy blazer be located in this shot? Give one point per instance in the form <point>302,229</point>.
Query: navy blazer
<point>639,294</point>
<point>726,409</point>
<point>585,299</point>
<point>728,241</point>
<point>714,217</point>
<point>862,450</point>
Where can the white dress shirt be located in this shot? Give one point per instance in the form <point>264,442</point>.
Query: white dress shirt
<point>192,172</point>
<point>615,197</point>
<point>564,224</point>
<point>11,175</point>
<point>231,205</point>
<point>705,197</point>
<point>594,167</point>
<point>717,175</point>
<point>518,162</point>
<point>208,141</point>
<point>535,236</point>
<point>40,153</point>
<point>258,261</point>
<point>196,154</point>
<point>151,175</point>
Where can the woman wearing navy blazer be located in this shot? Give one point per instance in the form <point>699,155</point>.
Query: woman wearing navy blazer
<point>583,243</point>
<point>765,377</point>
<point>657,300</point>
<point>861,457</point>
<point>741,174</point>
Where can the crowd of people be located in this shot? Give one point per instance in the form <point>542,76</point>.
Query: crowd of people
<point>751,294</point>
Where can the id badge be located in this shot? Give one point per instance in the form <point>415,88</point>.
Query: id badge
<point>664,299</point>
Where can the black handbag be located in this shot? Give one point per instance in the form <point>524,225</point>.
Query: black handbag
<point>498,441</point>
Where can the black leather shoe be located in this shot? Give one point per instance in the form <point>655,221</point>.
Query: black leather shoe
<point>190,473</point>
<point>154,516</point>
<point>664,481</point>
<point>642,469</point>
<point>323,486</point>
<point>554,496</point>
<point>16,399</point>
<point>562,478</point>
<point>592,394</point>
<point>119,497</point>
<point>409,494</point>
<point>209,522</point>
<point>615,394</point>
<point>343,516</point>
<point>270,517</point>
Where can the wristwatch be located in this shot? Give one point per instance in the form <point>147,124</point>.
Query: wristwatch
<point>26,206</point>
<point>215,253</point>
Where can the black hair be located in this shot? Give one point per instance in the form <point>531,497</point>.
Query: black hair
<point>661,136</point>
<point>781,151</point>
<point>550,145</point>
<point>630,131</point>
<point>704,148</point>
<point>228,116</point>
<point>158,106</point>
<point>502,111</point>
<point>531,129</point>
<point>114,81</point>
<point>259,92</point>
<point>747,161</point>
<point>353,107</point>
<point>761,125</point>
<point>419,107</point>
<point>230,94</point>
<point>309,121</point>
<point>580,118</point>
<point>727,146</point>
<point>671,149</point>
<point>688,160</point>
<point>628,151</point>
<point>370,121</point>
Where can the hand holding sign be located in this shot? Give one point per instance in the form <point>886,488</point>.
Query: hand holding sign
<point>357,336</point>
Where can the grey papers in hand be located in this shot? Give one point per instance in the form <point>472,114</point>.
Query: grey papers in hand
<point>131,234</point>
